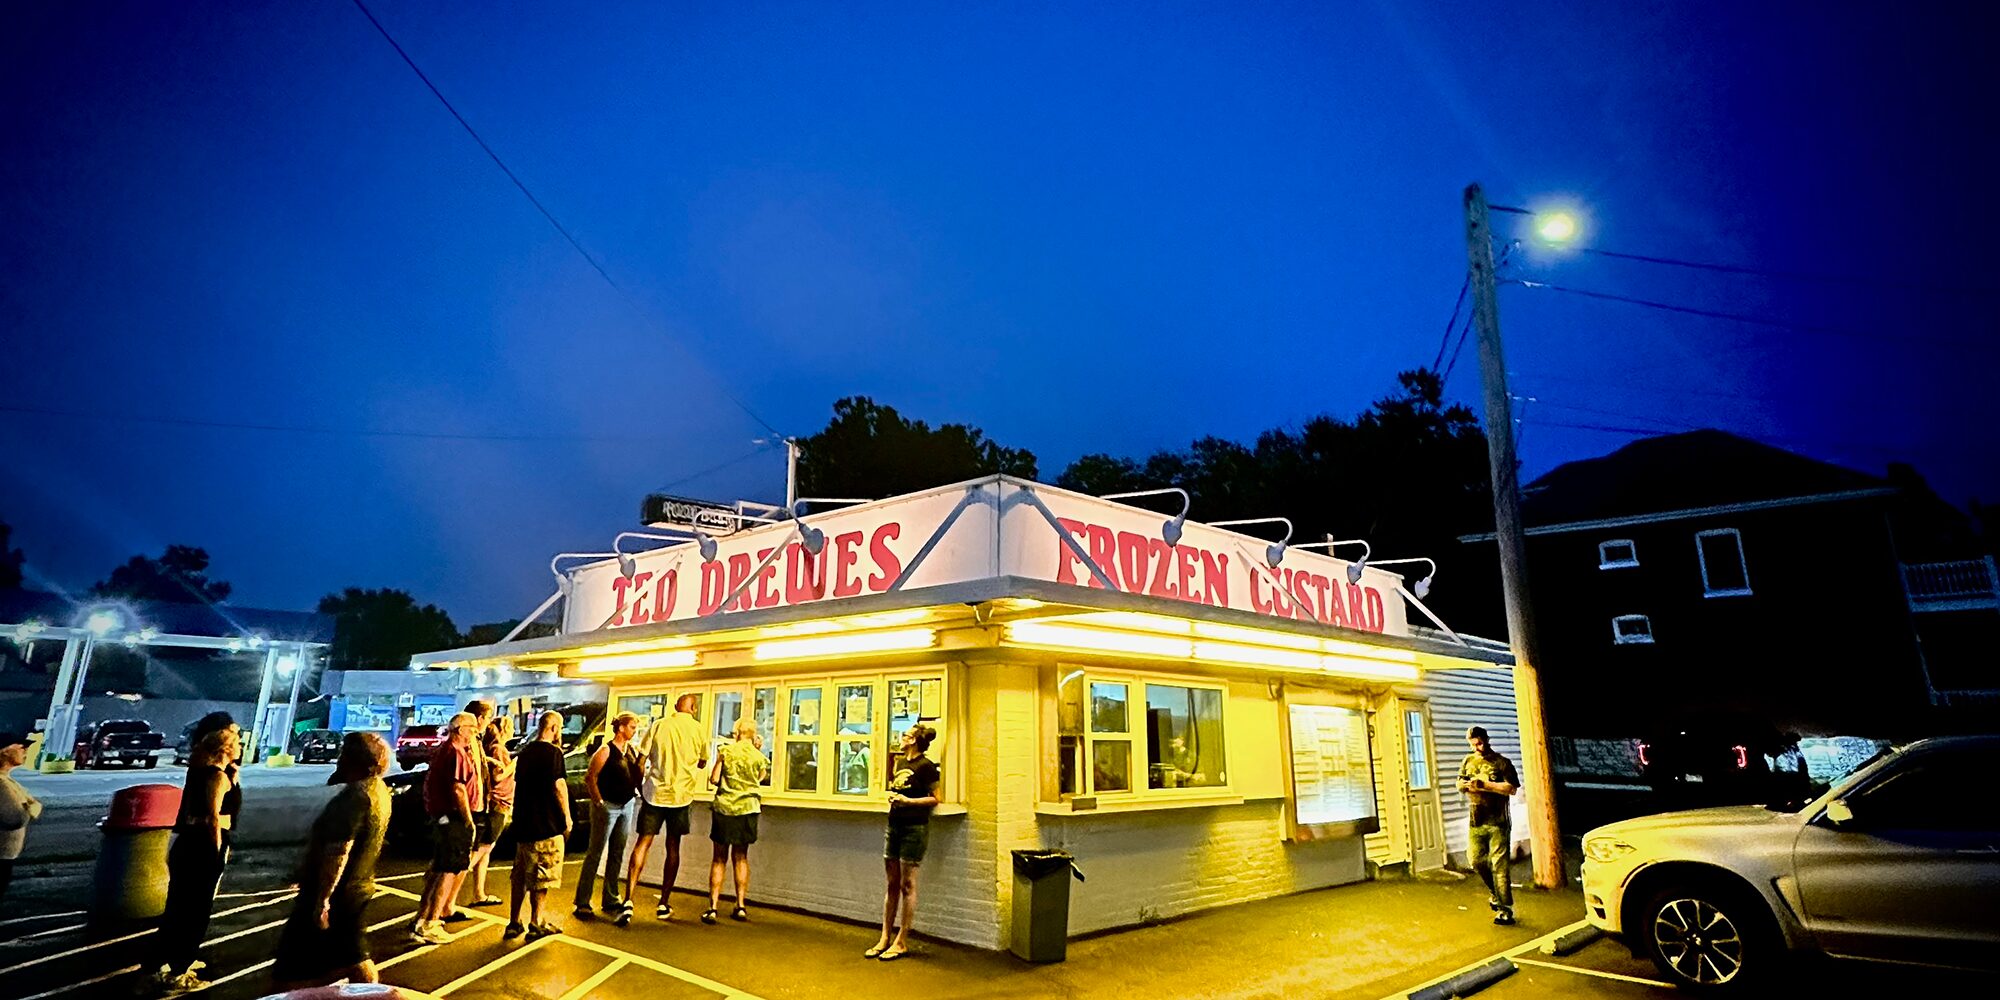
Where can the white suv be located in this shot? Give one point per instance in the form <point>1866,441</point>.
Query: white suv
<point>1899,861</point>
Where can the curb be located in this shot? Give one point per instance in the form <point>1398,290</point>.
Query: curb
<point>1572,941</point>
<point>1468,982</point>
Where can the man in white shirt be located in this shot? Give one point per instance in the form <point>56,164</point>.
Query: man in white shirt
<point>675,762</point>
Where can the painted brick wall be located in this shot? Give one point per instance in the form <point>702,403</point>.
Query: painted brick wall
<point>1150,865</point>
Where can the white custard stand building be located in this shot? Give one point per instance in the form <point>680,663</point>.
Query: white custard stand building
<point>1197,726</point>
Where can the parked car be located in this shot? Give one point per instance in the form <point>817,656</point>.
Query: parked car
<point>119,741</point>
<point>416,745</point>
<point>317,745</point>
<point>184,744</point>
<point>1898,861</point>
<point>583,726</point>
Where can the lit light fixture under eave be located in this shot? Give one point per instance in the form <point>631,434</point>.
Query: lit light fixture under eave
<point>895,640</point>
<point>1080,638</point>
<point>1077,637</point>
<point>666,659</point>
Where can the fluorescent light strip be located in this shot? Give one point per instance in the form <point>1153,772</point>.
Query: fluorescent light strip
<point>662,660</point>
<point>845,645</point>
<point>1163,625</point>
<point>1084,639</point>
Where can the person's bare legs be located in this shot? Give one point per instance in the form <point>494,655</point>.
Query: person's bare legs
<point>670,868</point>
<point>641,848</point>
<point>892,897</point>
<point>742,874</point>
<point>535,899</point>
<point>715,863</point>
<point>447,895</point>
<point>428,900</point>
<point>517,880</point>
<point>909,893</point>
<point>477,880</point>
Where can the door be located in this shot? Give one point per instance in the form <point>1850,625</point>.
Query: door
<point>1426,814</point>
<point>1913,874</point>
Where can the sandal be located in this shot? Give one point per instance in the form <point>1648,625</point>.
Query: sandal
<point>893,953</point>
<point>513,931</point>
<point>540,931</point>
<point>486,901</point>
<point>873,951</point>
<point>708,916</point>
<point>740,914</point>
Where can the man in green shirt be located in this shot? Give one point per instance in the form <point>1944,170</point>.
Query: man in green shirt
<point>1488,781</point>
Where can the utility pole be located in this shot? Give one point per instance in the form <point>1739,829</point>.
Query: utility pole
<point>791,473</point>
<point>1537,777</point>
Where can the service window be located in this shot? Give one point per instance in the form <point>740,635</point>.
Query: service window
<point>802,729</point>
<point>764,712</point>
<point>1101,721</point>
<point>857,719</point>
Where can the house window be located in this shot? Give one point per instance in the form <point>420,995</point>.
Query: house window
<point>1617,553</point>
<point>1627,629</point>
<point>1723,573</point>
<point>1099,719</point>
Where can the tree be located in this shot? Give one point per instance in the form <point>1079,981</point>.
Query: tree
<point>870,450</point>
<point>10,559</point>
<point>1408,474</point>
<point>382,629</point>
<point>178,576</point>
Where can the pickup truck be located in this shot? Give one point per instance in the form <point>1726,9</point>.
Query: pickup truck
<point>121,741</point>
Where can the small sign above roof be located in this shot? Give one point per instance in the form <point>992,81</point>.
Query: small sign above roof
<point>664,510</point>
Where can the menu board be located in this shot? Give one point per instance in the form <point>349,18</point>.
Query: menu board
<point>1332,780</point>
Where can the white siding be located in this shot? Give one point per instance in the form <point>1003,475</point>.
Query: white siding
<point>1460,699</point>
<point>1391,843</point>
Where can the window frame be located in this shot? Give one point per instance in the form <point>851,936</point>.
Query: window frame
<point>1604,560</point>
<point>881,742</point>
<point>1742,563</point>
<point>1139,789</point>
<point>1621,638</point>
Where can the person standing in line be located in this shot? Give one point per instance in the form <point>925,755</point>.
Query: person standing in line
<point>541,825</point>
<point>612,782</point>
<point>499,805</point>
<point>452,797</point>
<point>210,801</point>
<point>482,716</point>
<point>326,937</point>
<point>1488,780</point>
<point>674,761</point>
<point>17,807</point>
<point>738,775</point>
<point>913,793</point>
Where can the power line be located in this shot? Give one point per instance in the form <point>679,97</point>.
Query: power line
<point>1463,285</point>
<point>738,460</point>
<point>1848,279</point>
<point>1463,332</point>
<point>537,202</point>
<point>337,431</point>
<point>1736,317</point>
<point>1873,446</point>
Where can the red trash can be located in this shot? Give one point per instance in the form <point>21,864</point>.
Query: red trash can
<point>131,878</point>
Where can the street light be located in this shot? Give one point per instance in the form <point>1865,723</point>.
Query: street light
<point>101,622</point>
<point>1556,227</point>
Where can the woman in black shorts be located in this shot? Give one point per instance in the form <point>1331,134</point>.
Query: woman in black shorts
<point>913,793</point>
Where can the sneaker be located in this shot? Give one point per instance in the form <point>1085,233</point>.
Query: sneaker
<point>663,912</point>
<point>624,915</point>
<point>430,933</point>
<point>584,913</point>
<point>1493,904</point>
<point>1504,917</point>
<point>513,931</point>
<point>185,983</point>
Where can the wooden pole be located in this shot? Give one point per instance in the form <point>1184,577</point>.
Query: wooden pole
<point>1537,778</point>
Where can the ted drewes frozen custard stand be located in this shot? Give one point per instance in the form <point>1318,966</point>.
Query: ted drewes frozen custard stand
<point>1201,716</point>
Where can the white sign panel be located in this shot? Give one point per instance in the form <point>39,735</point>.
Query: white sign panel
<point>976,531</point>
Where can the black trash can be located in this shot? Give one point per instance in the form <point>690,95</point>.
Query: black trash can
<point>1041,904</point>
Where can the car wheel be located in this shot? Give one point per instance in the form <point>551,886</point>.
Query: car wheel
<point>151,762</point>
<point>1710,937</point>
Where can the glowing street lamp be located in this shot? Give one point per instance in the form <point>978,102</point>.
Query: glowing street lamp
<point>1556,227</point>
<point>101,623</point>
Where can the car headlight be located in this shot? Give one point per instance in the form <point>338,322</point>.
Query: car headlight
<point>1604,850</point>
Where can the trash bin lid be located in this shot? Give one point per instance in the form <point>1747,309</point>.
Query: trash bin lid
<point>1037,863</point>
<point>143,807</point>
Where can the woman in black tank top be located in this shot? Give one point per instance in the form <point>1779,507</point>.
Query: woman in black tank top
<point>210,801</point>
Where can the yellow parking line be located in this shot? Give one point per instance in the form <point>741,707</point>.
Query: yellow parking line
<point>662,968</point>
<point>583,989</point>
<point>244,933</point>
<point>1594,972</point>
<point>267,963</point>
<point>88,982</point>
<point>490,967</point>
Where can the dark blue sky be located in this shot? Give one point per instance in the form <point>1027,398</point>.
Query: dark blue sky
<point>1084,228</point>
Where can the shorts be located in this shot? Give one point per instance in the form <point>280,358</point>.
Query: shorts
<point>539,862</point>
<point>451,841</point>
<point>906,842</point>
<point>733,831</point>
<point>305,952</point>
<point>675,821</point>
<point>492,824</point>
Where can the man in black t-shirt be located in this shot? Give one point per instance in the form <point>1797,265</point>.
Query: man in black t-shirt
<point>541,825</point>
<point>1488,781</point>
<point>913,794</point>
